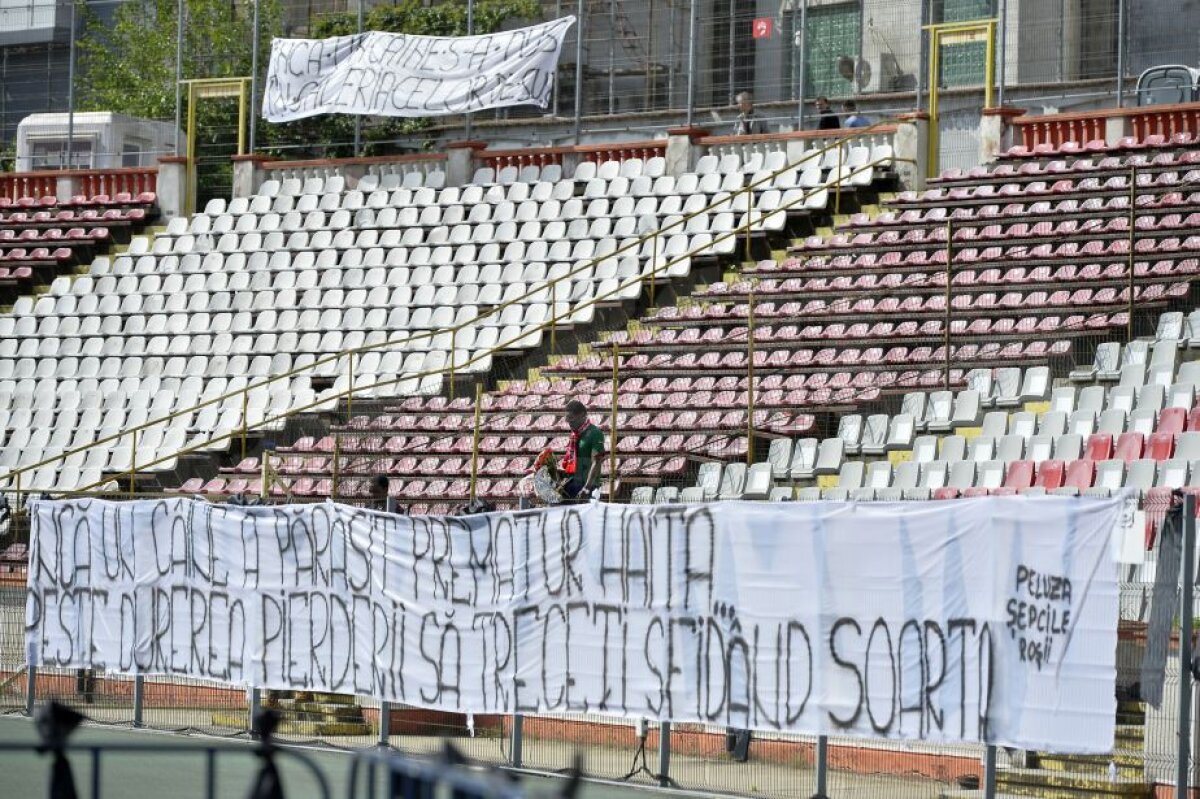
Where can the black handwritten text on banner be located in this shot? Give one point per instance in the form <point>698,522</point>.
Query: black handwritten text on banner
<point>404,75</point>
<point>988,619</point>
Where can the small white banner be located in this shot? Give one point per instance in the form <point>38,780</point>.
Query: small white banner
<point>400,75</point>
<point>991,619</point>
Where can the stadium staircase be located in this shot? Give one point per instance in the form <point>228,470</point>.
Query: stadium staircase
<point>1121,774</point>
<point>308,714</point>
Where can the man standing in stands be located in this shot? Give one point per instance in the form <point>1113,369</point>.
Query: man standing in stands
<point>853,118</point>
<point>581,464</point>
<point>827,120</point>
<point>748,122</point>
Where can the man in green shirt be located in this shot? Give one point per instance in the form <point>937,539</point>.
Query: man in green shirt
<point>581,464</point>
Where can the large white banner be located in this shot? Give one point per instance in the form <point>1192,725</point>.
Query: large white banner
<point>401,75</point>
<point>990,619</point>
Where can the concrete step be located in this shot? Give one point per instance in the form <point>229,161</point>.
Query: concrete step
<point>237,721</point>
<point>1047,784</point>
<point>332,711</point>
<point>324,728</point>
<point>1129,764</point>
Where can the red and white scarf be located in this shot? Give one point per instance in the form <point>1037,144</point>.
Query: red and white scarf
<point>570,460</point>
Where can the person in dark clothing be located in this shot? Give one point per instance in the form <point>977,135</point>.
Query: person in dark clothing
<point>581,464</point>
<point>827,120</point>
<point>379,493</point>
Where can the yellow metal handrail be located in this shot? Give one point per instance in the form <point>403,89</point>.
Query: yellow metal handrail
<point>728,201</point>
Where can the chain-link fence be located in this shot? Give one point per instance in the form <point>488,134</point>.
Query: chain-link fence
<point>710,759</point>
<point>627,69</point>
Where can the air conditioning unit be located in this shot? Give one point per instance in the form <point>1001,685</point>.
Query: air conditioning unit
<point>880,73</point>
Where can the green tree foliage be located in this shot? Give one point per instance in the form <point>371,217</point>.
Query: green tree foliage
<point>332,135</point>
<point>128,66</point>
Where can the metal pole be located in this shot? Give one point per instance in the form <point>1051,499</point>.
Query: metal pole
<point>1003,40</point>
<point>357,117</point>
<point>691,65</point>
<point>30,689</point>
<point>385,722</point>
<point>670,53</point>
<point>989,772</point>
<point>475,439</point>
<point>822,765</point>
<point>579,70</point>
<point>750,379</point>
<point>515,741</point>
<point>803,56</point>
<point>612,425</point>
<point>139,699</point>
<point>949,275</point>
<point>732,52</point>
<point>612,57</point>
<point>180,12</point>
<point>1183,756</point>
<point>557,75</point>
<point>71,88</point>
<point>922,65</point>
<point>1132,242</point>
<point>254,81</point>
<point>664,753</point>
<point>255,706</point>
<point>1120,53</point>
<point>467,124</point>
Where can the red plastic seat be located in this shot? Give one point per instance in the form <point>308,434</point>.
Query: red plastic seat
<point>1050,475</point>
<point>1019,475</point>
<point>1171,420</point>
<point>1099,447</point>
<point>946,492</point>
<point>1161,446</point>
<point>1129,447</point>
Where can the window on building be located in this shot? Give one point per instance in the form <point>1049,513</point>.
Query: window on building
<point>964,64</point>
<point>834,34</point>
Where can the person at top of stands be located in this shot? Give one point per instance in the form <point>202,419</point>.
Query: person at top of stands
<point>827,120</point>
<point>748,123</point>
<point>581,463</point>
<point>379,493</point>
<point>853,118</point>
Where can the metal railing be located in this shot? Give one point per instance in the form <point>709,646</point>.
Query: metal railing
<point>14,477</point>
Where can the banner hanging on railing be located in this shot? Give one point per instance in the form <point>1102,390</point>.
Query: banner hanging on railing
<point>989,619</point>
<point>403,75</point>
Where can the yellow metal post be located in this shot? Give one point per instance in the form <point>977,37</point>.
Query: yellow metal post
<point>750,380</point>
<point>350,395</point>
<point>612,425</point>
<point>949,277</point>
<point>245,421</point>
<point>1132,243</point>
<point>242,119</point>
<point>337,457</point>
<point>453,359</point>
<point>189,193</point>
<point>265,476</point>
<point>475,438</point>
<point>654,270</point>
<point>746,227</point>
<point>132,462</point>
<point>956,33</point>
<point>837,200</point>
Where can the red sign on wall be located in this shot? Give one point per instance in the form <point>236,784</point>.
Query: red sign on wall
<point>763,27</point>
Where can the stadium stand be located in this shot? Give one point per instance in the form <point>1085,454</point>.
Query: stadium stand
<point>855,393</point>
<point>307,269</point>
